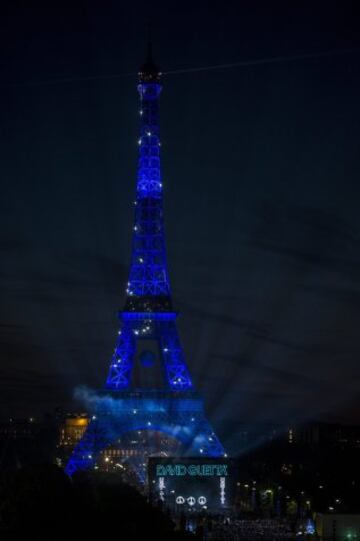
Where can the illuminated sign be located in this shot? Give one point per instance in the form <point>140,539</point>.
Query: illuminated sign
<point>161,488</point>
<point>194,470</point>
<point>222,490</point>
<point>185,483</point>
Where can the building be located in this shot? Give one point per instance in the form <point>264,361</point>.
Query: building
<point>19,429</point>
<point>316,434</point>
<point>72,429</point>
<point>337,527</point>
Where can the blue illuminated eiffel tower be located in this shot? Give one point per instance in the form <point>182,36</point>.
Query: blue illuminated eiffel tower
<point>148,340</point>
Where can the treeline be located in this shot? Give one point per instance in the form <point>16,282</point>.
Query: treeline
<point>41,502</point>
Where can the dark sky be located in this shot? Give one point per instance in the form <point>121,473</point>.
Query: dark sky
<point>261,176</point>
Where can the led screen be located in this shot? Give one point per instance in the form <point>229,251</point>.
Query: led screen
<point>194,483</point>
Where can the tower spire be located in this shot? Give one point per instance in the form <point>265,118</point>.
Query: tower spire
<point>149,71</point>
<point>148,287</point>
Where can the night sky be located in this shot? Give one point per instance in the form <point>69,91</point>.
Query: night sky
<point>261,178</point>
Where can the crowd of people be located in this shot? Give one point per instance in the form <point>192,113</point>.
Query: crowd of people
<point>236,530</point>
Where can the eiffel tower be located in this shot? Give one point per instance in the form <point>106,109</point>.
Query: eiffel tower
<point>149,387</point>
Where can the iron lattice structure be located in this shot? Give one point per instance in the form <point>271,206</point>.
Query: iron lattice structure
<point>174,408</point>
